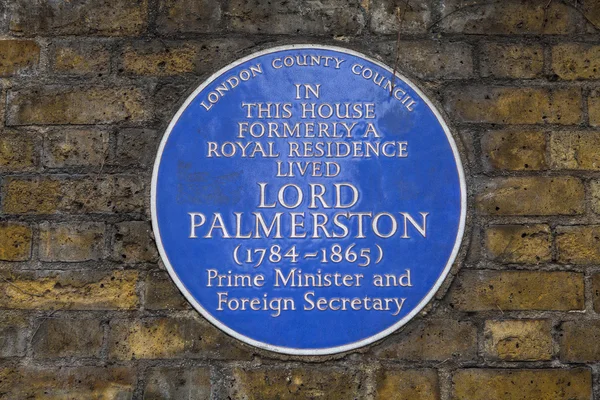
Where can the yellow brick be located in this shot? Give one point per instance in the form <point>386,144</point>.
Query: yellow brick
<point>575,150</point>
<point>294,383</point>
<point>529,244</point>
<point>580,341</point>
<point>18,56</point>
<point>538,384</point>
<point>161,338</point>
<point>517,290</point>
<point>73,105</point>
<point>155,338</point>
<point>36,195</point>
<point>15,241</point>
<point>17,151</point>
<point>517,151</point>
<point>518,340</point>
<point>62,383</point>
<point>576,61</point>
<point>407,385</point>
<point>70,290</point>
<point>578,244</point>
<point>532,196</point>
<point>510,105</point>
<point>160,60</point>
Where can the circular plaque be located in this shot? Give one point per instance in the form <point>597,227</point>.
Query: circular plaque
<point>307,201</point>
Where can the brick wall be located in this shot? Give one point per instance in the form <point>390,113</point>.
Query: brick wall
<point>87,88</point>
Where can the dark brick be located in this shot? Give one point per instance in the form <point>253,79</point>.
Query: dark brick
<point>178,384</point>
<point>63,337</point>
<point>78,17</point>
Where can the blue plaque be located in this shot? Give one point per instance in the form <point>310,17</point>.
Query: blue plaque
<point>307,201</point>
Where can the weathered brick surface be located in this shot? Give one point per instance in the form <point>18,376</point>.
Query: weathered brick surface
<point>14,334</point>
<point>575,150</point>
<point>514,150</point>
<point>532,196</point>
<point>529,244</point>
<point>75,147</point>
<point>47,195</point>
<point>594,108</point>
<point>18,56</point>
<point>61,337</point>
<point>96,17</point>
<point>294,383</point>
<point>533,17</point>
<point>596,291</point>
<point>112,383</point>
<point>181,16</point>
<point>87,309</point>
<point>81,241</point>
<point>178,383</point>
<point>578,244</point>
<point>158,338</point>
<point>595,196</point>
<point>515,105</point>
<point>542,384</point>
<point>502,60</point>
<point>80,58</point>
<point>31,195</point>
<point>591,10</point>
<point>161,293</point>
<point>437,340</point>
<point>580,341</point>
<point>15,241</point>
<point>407,385</point>
<point>60,106</point>
<point>576,61</point>
<point>518,340</point>
<point>136,147</point>
<point>385,16</point>
<point>517,290</point>
<point>159,58</point>
<point>76,290</point>
<point>133,242</point>
<point>430,60</point>
<point>333,17</point>
<point>17,150</point>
